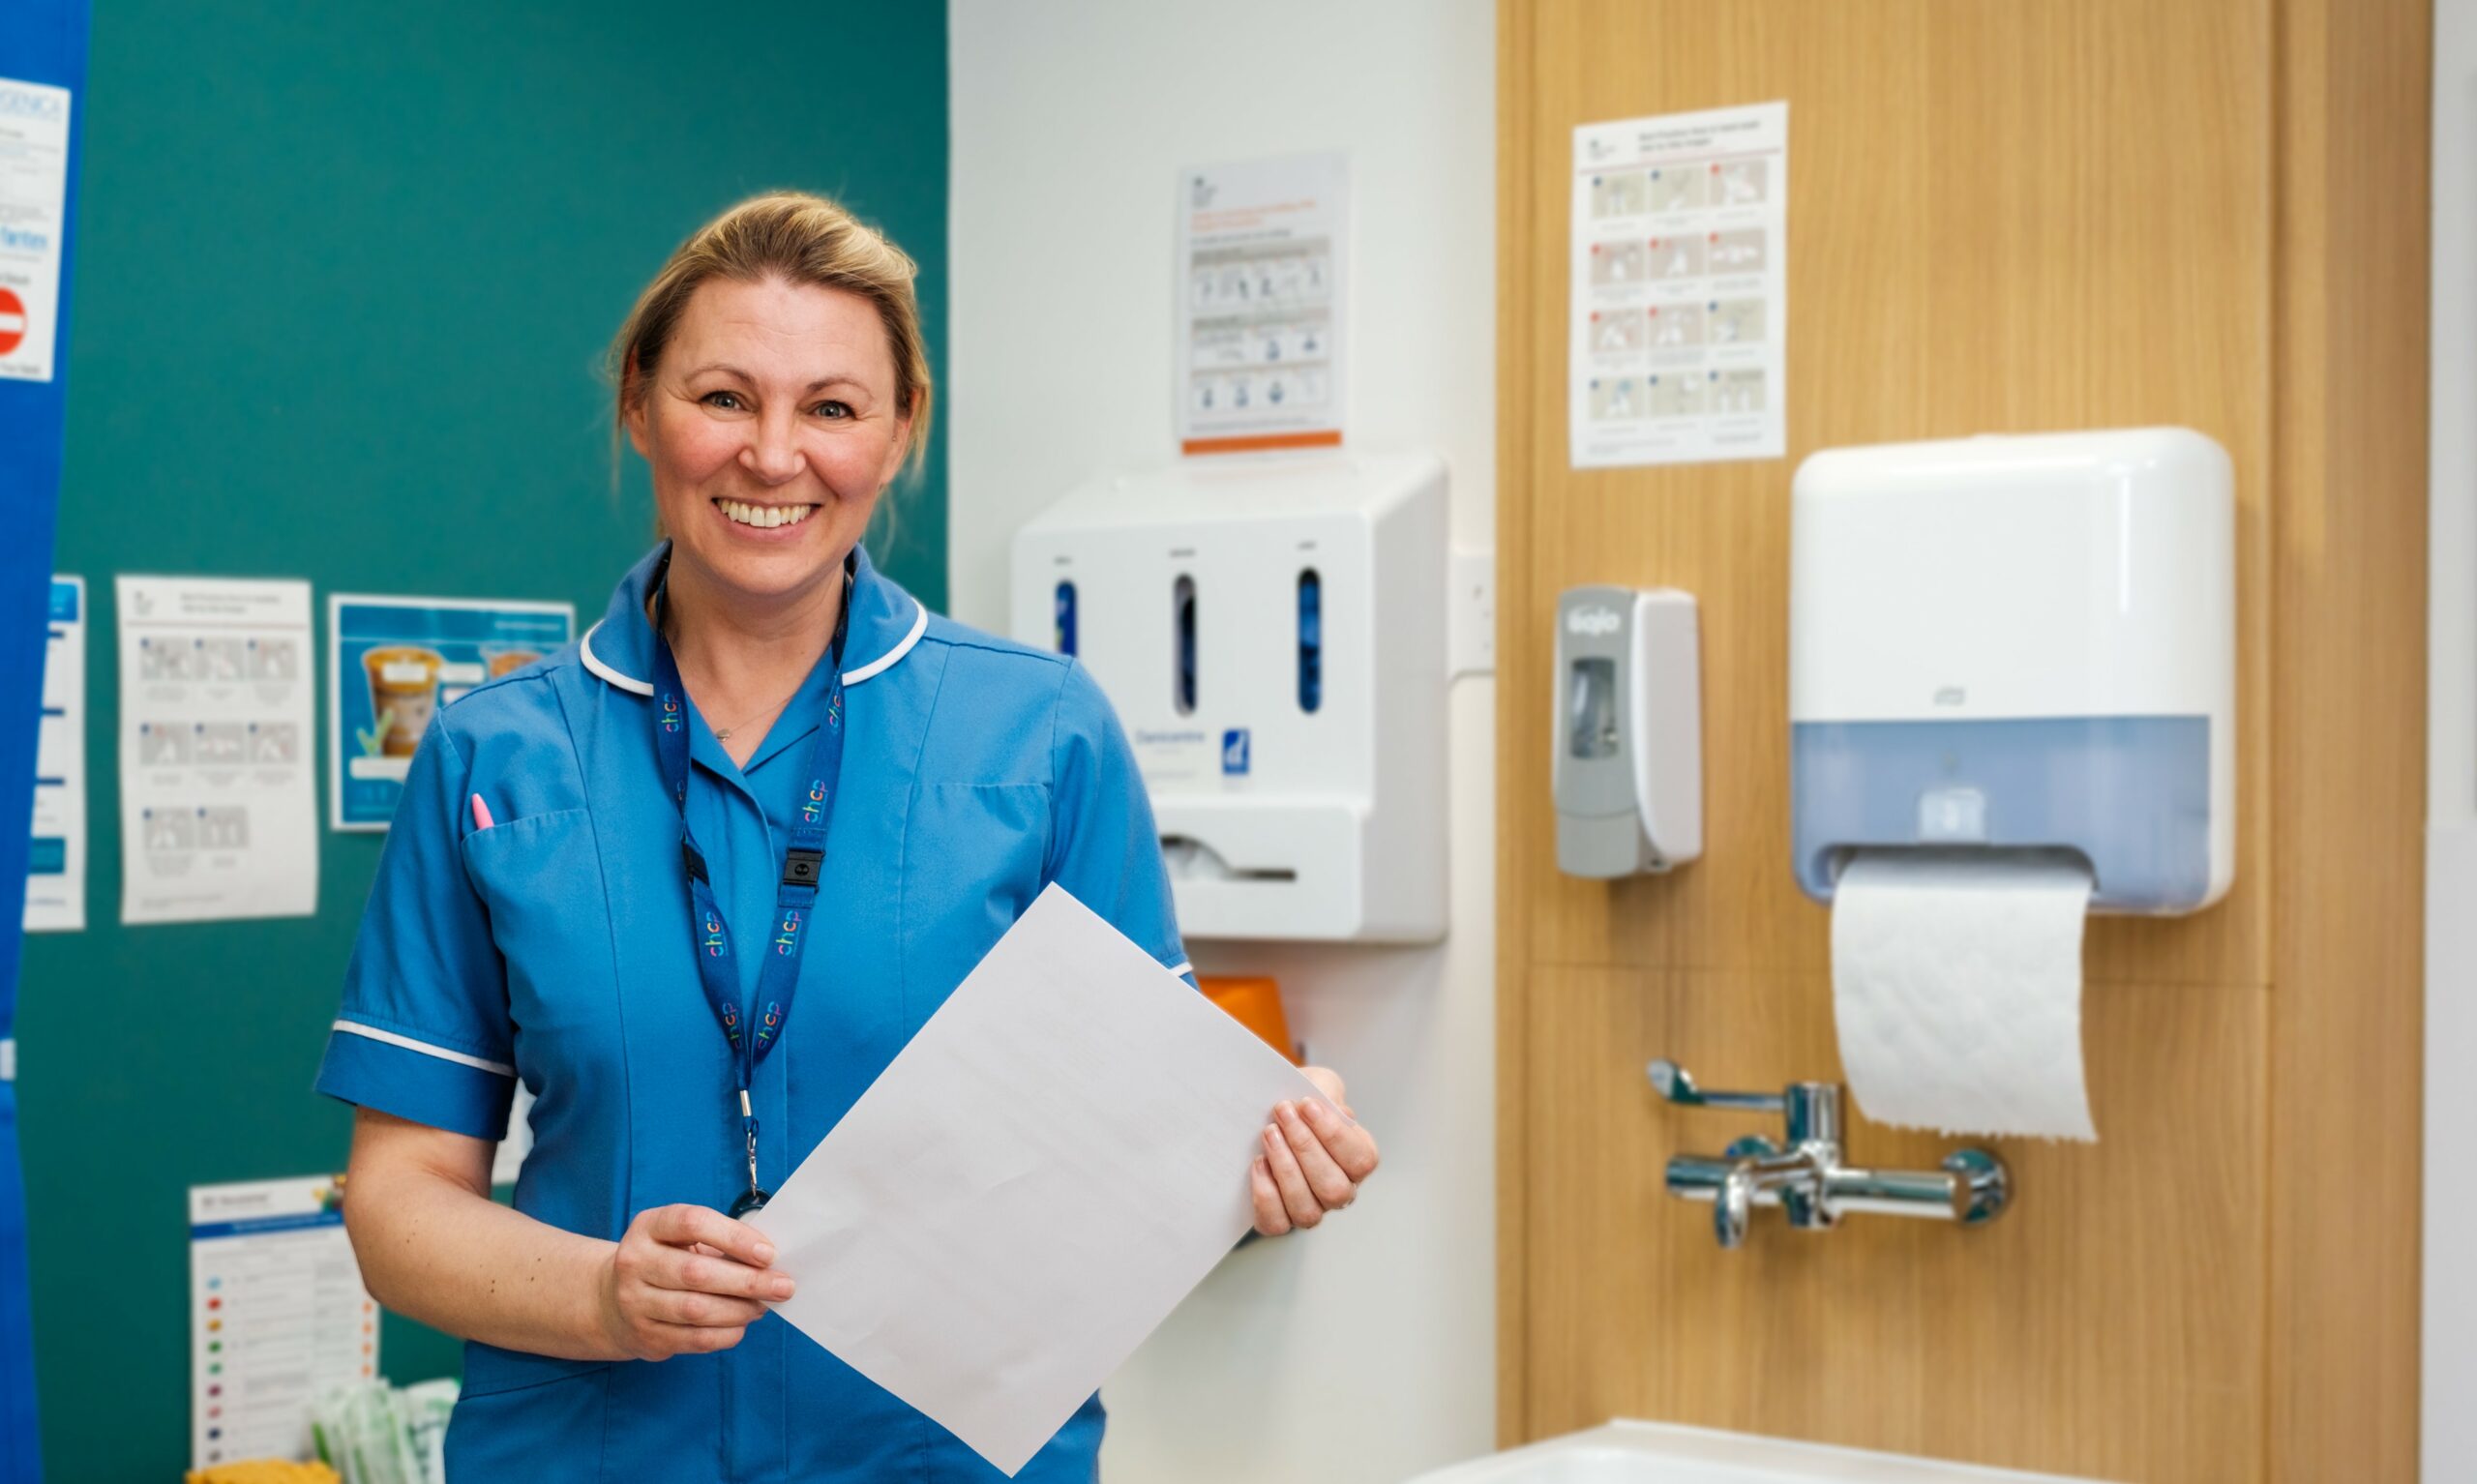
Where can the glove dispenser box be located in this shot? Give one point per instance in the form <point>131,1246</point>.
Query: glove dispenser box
<point>2019,643</point>
<point>1272,633</point>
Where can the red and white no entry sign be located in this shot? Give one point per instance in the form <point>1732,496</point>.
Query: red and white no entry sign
<point>13,321</point>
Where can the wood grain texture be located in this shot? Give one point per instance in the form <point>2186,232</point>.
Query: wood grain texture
<point>2002,219</point>
<point>2110,1330</point>
<point>2348,716</point>
<point>2008,218</point>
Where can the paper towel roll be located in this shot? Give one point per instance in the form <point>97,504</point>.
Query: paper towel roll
<point>1956,985</point>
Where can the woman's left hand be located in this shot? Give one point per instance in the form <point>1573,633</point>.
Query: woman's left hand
<point>1313,1160</point>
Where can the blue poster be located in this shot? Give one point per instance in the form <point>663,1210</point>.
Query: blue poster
<point>393,662</point>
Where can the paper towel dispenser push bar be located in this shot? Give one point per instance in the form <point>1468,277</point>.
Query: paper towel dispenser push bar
<point>2019,642</point>
<point>1627,769</point>
<point>1272,633</point>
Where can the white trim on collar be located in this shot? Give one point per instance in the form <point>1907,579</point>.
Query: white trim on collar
<point>593,662</point>
<point>879,665</point>
<point>903,646</point>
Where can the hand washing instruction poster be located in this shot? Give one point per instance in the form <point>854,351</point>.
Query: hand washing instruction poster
<point>34,197</point>
<point>56,861</point>
<point>1680,288</point>
<point>393,662</point>
<point>219,806</point>
<point>276,1315</point>
<point>1260,273</point>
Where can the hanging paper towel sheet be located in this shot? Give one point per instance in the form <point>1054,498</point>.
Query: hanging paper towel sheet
<point>1956,985</point>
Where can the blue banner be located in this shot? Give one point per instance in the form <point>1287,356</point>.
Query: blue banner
<point>43,77</point>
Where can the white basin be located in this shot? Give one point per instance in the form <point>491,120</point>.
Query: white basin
<point>1664,1453</point>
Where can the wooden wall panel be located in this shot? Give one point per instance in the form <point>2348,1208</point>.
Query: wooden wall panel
<point>2350,738</point>
<point>2115,1295</point>
<point>2004,218</point>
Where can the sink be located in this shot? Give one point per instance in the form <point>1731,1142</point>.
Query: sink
<point>1665,1453</point>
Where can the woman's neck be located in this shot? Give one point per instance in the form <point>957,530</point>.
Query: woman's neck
<point>739,655</point>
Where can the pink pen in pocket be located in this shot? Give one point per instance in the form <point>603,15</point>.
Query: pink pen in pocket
<point>480,813</point>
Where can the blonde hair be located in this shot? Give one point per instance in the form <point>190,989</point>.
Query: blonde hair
<point>804,239</point>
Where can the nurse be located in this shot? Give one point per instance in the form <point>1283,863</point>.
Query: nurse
<point>695,880</point>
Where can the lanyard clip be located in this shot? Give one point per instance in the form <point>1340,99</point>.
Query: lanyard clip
<point>801,868</point>
<point>757,1195</point>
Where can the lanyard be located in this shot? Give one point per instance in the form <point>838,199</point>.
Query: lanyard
<point>778,974</point>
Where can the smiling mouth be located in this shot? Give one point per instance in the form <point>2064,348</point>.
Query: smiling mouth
<point>763,518</point>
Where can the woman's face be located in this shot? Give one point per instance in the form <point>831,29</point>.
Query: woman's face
<point>771,426</point>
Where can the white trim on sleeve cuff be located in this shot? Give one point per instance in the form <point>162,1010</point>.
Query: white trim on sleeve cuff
<point>356,1029</point>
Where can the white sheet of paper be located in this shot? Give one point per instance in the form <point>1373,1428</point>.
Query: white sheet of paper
<point>219,806</point>
<point>276,1315</point>
<point>56,866</point>
<point>1681,289</point>
<point>1263,270</point>
<point>507,1162</point>
<point>1033,1185</point>
<point>34,220</point>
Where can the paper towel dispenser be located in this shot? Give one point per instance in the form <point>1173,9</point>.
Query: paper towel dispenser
<point>2019,643</point>
<point>1627,769</point>
<point>1272,632</point>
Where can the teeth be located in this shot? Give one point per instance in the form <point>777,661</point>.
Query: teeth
<point>765,516</point>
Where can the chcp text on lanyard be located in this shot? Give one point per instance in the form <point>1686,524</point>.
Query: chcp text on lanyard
<point>751,1030</point>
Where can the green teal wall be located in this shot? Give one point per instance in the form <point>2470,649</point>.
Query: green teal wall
<point>345,274</point>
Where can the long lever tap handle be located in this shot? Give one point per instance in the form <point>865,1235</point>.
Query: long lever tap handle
<point>1674,1083</point>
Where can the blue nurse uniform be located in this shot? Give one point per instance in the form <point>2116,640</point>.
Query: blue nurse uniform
<point>556,948</point>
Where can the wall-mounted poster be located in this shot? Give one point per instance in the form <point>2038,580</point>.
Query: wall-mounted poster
<point>393,662</point>
<point>1262,274</point>
<point>34,199</point>
<point>278,1314</point>
<point>1681,298</point>
<point>57,860</point>
<point>219,800</point>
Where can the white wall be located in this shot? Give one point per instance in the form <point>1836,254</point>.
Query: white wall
<point>1365,1350</point>
<point>2449,1329</point>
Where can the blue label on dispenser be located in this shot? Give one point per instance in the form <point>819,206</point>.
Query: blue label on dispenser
<point>1234,752</point>
<point>2130,794</point>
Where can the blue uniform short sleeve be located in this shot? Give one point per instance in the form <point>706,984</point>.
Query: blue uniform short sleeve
<point>423,1032</point>
<point>1103,846</point>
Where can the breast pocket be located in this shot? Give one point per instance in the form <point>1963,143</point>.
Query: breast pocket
<point>972,857</point>
<point>541,879</point>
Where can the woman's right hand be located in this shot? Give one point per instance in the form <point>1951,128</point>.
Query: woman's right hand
<point>687,1280</point>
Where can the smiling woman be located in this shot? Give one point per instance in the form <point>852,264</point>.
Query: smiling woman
<point>799,239</point>
<point>864,332</point>
<point>774,378</point>
<point>762,734</point>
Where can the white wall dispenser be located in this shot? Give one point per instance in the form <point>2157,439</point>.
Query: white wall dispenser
<point>2011,703</point>
<point>2020,641</point>
<point>1272,633</point>
<point>1628,767</point>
